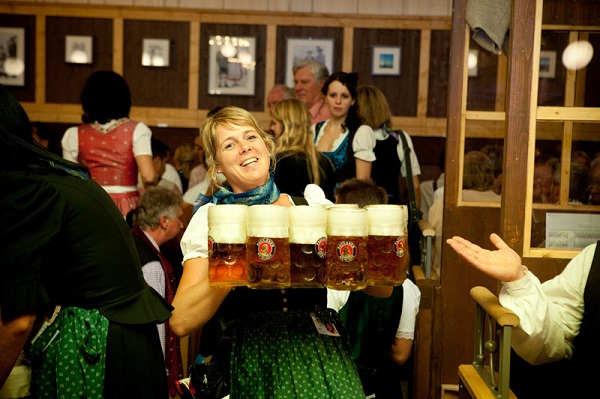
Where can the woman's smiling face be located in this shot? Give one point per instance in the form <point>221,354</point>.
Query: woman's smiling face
<point>242,157</point>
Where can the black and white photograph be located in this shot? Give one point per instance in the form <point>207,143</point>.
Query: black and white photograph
<point>231,65</point>
<point>78,49</point>
<point>300,49</point>
<point>155,52</point>
<point>12,56</point>
<point>386,60</point>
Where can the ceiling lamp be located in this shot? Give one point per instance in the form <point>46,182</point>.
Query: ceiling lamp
<point>577,55</point>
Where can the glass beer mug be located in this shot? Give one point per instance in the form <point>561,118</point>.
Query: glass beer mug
<point>308,246</point>
<point>387,244</point>
<point>268,249</point>
<point>346,248</point>
<point>227,245</point>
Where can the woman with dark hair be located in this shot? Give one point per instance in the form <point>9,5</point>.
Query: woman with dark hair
<point>113,147</point>
<point>67,252</point>
<point>344,138</point>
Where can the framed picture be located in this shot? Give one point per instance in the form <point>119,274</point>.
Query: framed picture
<point>386,60</point>
<point>231,64</point>
<point>78,49</point>
<point>472,62</point>
<point>155,52</point>
<point>301,49</point>
<point>547,64</point>
<point>12,56</point>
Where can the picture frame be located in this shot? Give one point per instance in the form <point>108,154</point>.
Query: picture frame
<point>155,52</point>
<point>298,49</point>
<point>386,61</point>
<point>12,56</point>
<point>78,49</point>
<point>472,63</point>
<point>231,65</point>
<point>547,64</point>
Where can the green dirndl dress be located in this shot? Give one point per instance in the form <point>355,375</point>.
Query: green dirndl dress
<point>279,353</point>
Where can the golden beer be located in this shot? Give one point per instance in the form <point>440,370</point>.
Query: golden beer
<point>308,246</point>
<point>267,247</point>
<point>387,245</point>
<point>227,245</point>
<point>346,249</point>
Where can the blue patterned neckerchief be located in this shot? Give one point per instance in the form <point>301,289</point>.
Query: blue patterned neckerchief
<point>265,194</point>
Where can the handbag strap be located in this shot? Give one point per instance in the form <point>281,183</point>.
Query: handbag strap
<point>415,212</point>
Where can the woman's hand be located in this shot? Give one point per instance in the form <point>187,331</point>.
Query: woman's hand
<point>503,264</point>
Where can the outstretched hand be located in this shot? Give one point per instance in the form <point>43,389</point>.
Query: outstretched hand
<point>503,264</point>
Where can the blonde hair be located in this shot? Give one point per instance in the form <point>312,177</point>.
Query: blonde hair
<point>296,136</point>
<point>229,117</point>
<point>185,159</point>
<point>373,107</point>
<point>477,171</point>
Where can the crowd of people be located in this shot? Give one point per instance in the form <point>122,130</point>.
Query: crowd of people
<point>116,198</point>
<point>104,213</point>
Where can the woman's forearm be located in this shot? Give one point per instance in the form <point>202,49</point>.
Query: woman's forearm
<point>195,301</point>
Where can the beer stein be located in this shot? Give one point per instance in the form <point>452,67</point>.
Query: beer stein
<point>346,248</point>
<point>268,249</point>
<point>308,246</point>
<point>387,244</point>
<point>227,245</point>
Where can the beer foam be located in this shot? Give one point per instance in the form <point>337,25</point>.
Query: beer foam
<point>228,234</point>
<point>227,214</point>
<point>307,235</point>
<point>386,220</point>
<point>267,221</point>
<point>347,222</point>
<point>308,216</point>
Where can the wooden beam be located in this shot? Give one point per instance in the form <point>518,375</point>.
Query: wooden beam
<point>519,140</point>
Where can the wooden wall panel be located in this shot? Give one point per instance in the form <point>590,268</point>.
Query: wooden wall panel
<point>481,94</point>
<point>64,81</point>
<point>437,98</point>
<point>299,32</point>
<point>251,103</point>
<point>401,91</point>
<point>157,86</point>
<point>27,92</point>
<point>551,90</point>
<point>571,12</point>
<point>592,80</point>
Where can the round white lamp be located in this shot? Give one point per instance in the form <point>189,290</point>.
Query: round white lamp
<point>577,55</point>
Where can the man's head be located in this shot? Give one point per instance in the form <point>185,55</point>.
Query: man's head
<point>309,76</point>
<point>360,191</point>
<point>279,92</point>
<point>159,213</point>
<point>160,156</point>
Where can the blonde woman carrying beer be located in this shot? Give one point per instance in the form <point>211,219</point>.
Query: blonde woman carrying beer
<point>277,350</point>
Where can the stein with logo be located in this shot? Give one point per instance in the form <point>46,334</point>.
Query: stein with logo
<point>227,245</point>
<point>268,249</point>
<point>308,246</point>
<point>387,244</point>
<point>346,248</point>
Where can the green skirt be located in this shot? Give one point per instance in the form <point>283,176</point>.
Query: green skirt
<point>282,355</point>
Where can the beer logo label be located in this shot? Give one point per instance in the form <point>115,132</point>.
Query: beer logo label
<point>346,251</point>
<point>211,246</point>
<point>265,248</point>
<point>321,247</point>
<point>399,246</point>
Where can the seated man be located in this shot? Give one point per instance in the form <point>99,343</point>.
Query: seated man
<point>381,330</point>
